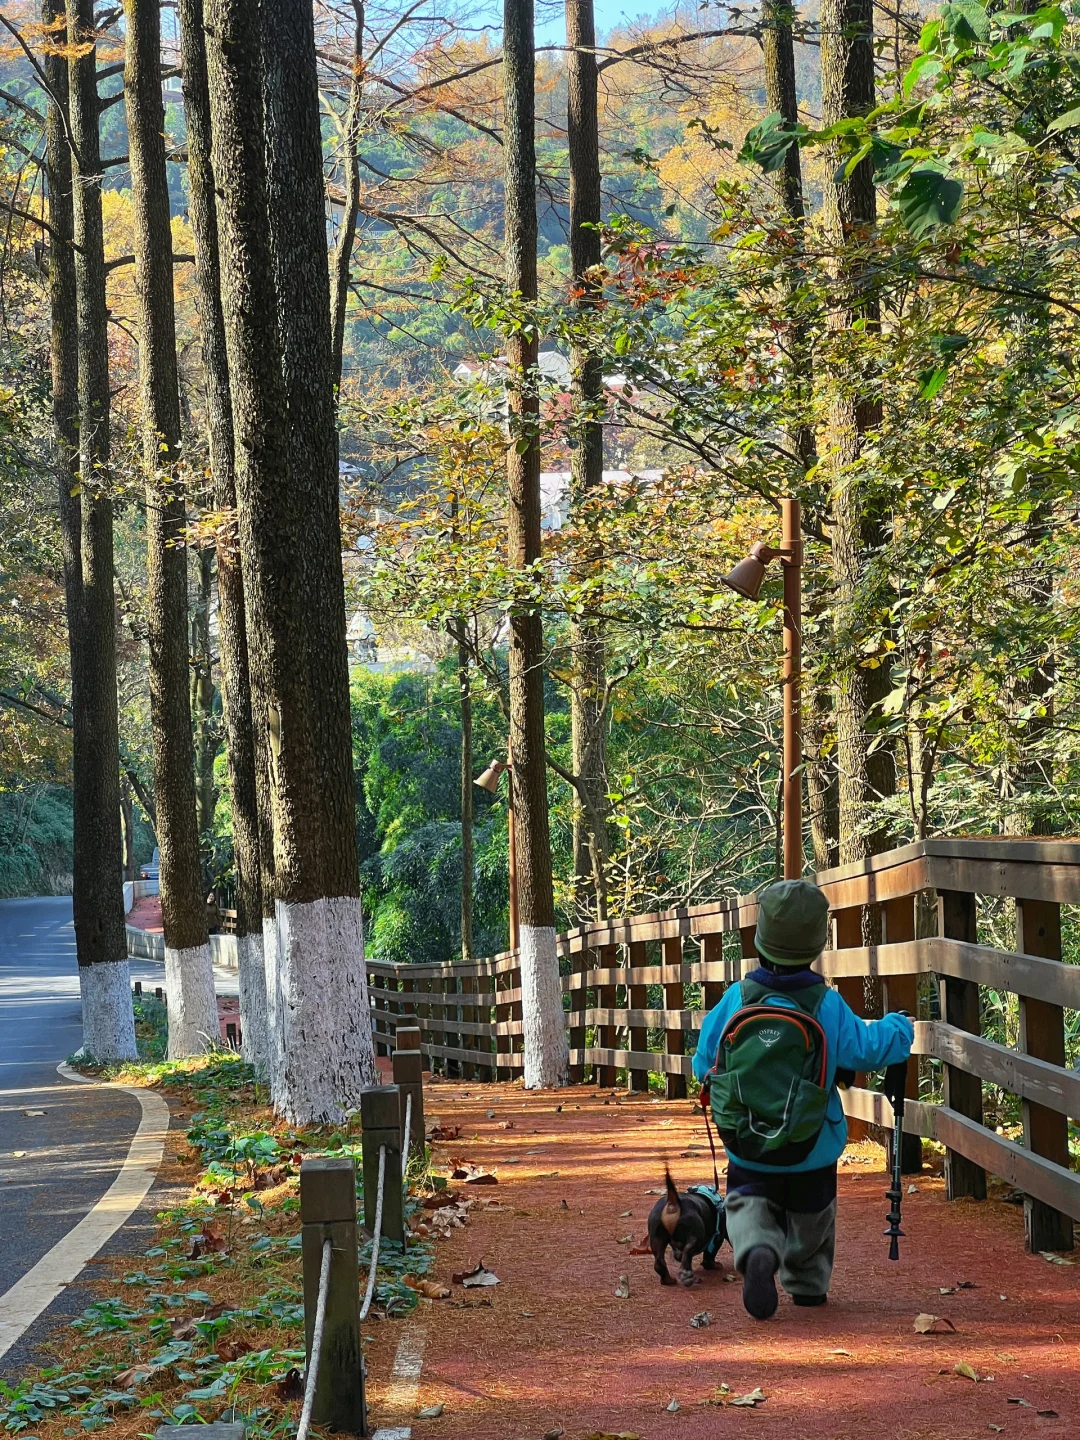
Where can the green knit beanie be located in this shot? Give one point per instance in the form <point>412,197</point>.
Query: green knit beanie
<point>793,922</point>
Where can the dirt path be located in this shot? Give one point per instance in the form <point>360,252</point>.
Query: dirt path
<point>557,1351</point>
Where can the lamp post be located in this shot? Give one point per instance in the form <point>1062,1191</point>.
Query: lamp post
<point>489,781</point>
<point>746,579</point>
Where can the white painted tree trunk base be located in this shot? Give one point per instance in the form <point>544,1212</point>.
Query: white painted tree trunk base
<point>108,1019</point>
<point>251,970</point>
<point>193,1013</point>
<point>324,1010</point>
<point>275,1021</point>
<point>547,1048</point>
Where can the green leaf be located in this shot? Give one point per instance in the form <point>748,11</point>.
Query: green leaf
<point>1068,121</point>
<point>966,20</point>
<point>768,142</point>
<point>929,198</point>
<point>931,381</point>
<point>922,67</point>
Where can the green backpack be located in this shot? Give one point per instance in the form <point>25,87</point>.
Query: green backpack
<point>767,1085</point>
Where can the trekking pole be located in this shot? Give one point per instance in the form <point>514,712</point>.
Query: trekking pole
<point>894,1087</point>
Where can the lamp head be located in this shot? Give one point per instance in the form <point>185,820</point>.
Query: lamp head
<point>489,780</point>
<point>749,575</point>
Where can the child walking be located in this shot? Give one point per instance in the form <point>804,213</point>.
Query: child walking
<point>769,1053</point>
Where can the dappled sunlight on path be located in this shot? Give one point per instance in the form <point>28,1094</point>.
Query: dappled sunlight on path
<point>552,1348</point>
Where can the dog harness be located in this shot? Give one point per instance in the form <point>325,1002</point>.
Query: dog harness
<point>716,1200</point>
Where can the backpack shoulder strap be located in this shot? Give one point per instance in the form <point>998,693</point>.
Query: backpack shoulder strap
<point>808,1000</point>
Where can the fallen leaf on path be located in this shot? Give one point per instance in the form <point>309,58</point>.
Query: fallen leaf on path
<point>430,1412</point>
<point>213,1240</point>
<point>912,1189</point>
<point>626,1215</point>
<point>839,1352</point>
<point>18,1154</point>
<point>439,1199</point>
<point>507,1125</point>
<point>291,1387</point>
<point>1048,1414</point>
<point>967,1371</point>
<point>997,1429</point>
<point>756,1397</point>
<point>622,1289</point>
<point>33,1112</point>
<point>480,1275</point>
<point>1053,1259</point>
<point>641,1250</point>
<point>223,1197</point>
<point>701,1319</point>
<point>484,1177</point>
<point>613,1435</point>
<point>966,1285</point>
<point>624,1240</point>
<point>927,1324</point>
<point>673,1407</point>
<point>444,1132</point>
<point>183,1327</point>
<point>432,1289</point>
<point>1015,1400</point>
<point>491,1114</point>
<point>554,1434</point>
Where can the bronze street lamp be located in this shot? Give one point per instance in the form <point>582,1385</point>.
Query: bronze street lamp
<point>746,579</point>
<point>489,781</point>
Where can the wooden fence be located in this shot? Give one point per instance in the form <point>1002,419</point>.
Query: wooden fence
<point>639,987</point>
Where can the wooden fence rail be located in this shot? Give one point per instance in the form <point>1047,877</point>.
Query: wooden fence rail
<point>637,989</point>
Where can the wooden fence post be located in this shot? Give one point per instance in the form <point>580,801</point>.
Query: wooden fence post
<point>409,1078</point>
<point>380,1118</point>
<point>960,1007</point>
<point>901,992</point>
<point>1042,1034</point>
<point>637,997</point>
<point>604,959</point>
<point>674,999</point>
<point>469,1016</point>
<point>579,1003</point>
<point>328,1212</point>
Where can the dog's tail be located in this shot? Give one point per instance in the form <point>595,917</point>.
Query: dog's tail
<point>669,1216</point>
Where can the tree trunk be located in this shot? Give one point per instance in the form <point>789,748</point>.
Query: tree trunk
<point>857,530</point>
<point>342,261</point>
<point>232,623</point>
<point>202,692</point>
<point>465,694</point>
<point>189,974</point>
<point>98,903</point>
<point>588,651</point>
<point>547,1059</point>
<point>277,323</point>
<point>127,816</point>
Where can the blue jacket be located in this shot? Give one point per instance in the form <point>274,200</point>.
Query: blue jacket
<point>852,1044</point>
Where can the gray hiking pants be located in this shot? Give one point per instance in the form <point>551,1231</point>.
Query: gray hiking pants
<point>803,1243</point>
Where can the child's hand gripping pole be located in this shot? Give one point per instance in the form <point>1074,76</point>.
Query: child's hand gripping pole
<point>894,1086</point>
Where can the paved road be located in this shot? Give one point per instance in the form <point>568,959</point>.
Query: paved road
<point>61,1144</point>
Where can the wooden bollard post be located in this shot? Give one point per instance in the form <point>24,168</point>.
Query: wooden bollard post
<point>380,1117</point>
<point>328,1212</point>
<point>409,1078</point>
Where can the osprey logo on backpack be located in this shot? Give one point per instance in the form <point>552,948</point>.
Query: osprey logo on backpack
<point>767,1086</point>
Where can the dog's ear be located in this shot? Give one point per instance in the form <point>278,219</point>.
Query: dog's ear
<point>672,1211</point>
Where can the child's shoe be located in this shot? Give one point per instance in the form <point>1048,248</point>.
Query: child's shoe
<point>759,1282</point>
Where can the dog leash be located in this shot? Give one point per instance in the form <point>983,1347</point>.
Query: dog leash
<point>712,1143</point>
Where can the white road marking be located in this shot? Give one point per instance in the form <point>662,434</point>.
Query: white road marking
<point>408,1363</point>
<point>34,1293</point>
